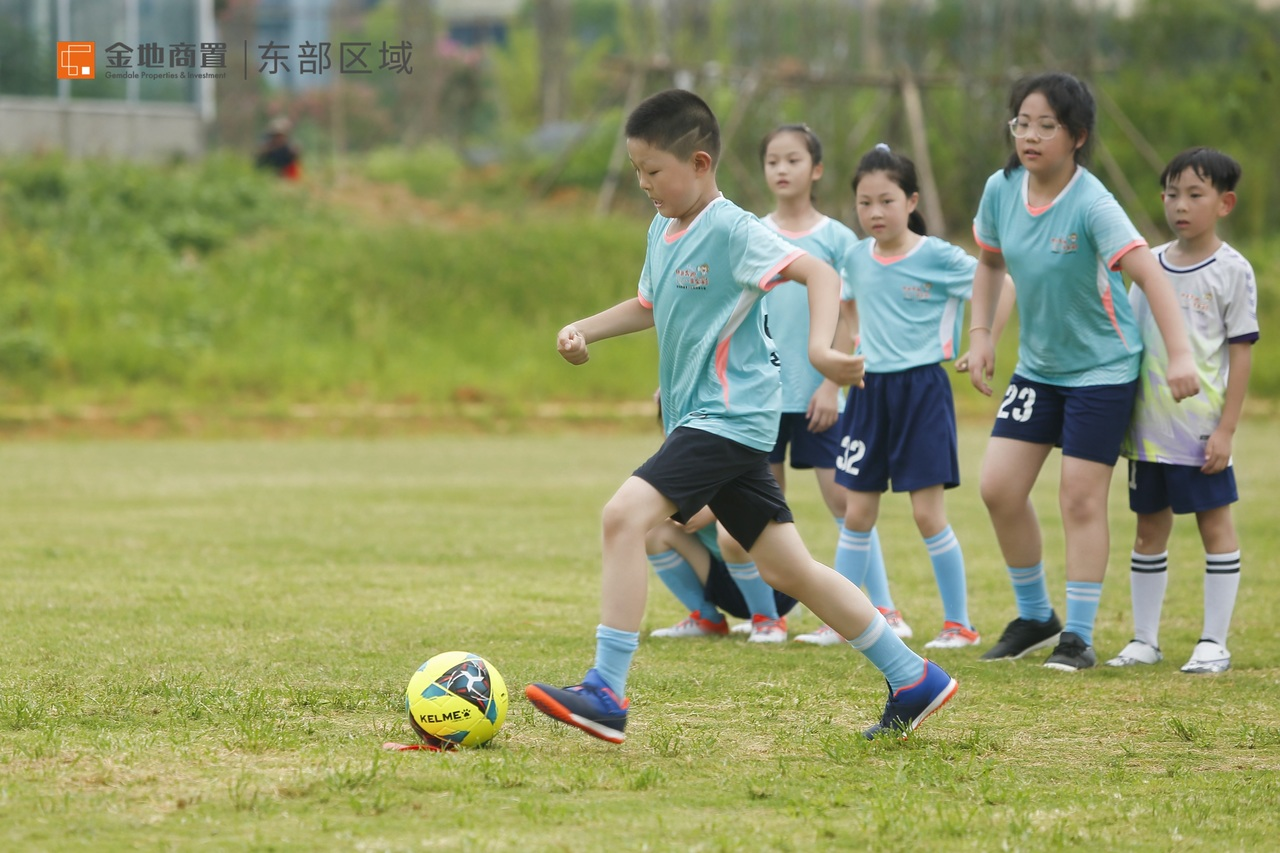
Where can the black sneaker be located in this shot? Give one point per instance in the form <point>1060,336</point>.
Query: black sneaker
<point>1072,654</point>
<point>1022,636</point>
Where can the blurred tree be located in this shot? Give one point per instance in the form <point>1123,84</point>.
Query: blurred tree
<point>238,121</point>
<point>553,20</point>
<point>419,93</point>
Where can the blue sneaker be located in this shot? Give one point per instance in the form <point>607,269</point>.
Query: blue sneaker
<point>591,706</point>
<point>908,706</point>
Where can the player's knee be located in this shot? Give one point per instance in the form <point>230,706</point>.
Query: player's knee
<point>619,519</point>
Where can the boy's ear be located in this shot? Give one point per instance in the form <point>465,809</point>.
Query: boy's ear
<point>817,171</point>
<point>702,162</point>
<point>1227,202</point>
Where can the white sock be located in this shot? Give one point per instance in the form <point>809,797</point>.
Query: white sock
<point>1148,579</point>
<point>1221,582</point>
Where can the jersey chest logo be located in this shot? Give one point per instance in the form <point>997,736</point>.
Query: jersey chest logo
<point>1064,245</point>
<point>917,292</point>
<point>693,278</point>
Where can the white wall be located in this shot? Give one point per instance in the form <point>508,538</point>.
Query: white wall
<point>113,129</point>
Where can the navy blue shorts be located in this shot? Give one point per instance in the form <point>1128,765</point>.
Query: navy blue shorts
<point>902,429</point>
<point>1087,422</point>
<point>1155,486</point>
<point>695,468</point>
<point>808,449</point>
<point>723,592</point>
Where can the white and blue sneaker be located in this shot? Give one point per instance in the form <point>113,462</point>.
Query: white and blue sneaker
<point>1208,657</point>
<point>1137,652</point>
<point>591,706</point>
<point>908,706</point>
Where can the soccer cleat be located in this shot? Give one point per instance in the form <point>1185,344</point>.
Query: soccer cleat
<point>1137,652</point>
<point>742,628</point>
<point>954,636</point>
<point>1072,654</point>
<point>823,636</point>
<point>766,630</point>
<point>897,624</point>
<point>1208,657</point>
<point>908,706</point>
<point>693,626</point>
<point>1022,636</point>
<point>591,706</point>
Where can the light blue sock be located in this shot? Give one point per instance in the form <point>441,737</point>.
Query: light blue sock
<point>1031,592</point>
<point>614,650</point>
<point>678,576</point>
<point>877,579</point>
<point>901,666</point>
<point>852,555</point>
<point>758,594</point>
<point>1082,608</point>
<point>948,570</point>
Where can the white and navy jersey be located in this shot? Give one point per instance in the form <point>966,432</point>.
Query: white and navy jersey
<point>788,309</point>
<point>910,307</point>
<point>1219,300</point>
<point>1076,327</point>
<point>706,286</point>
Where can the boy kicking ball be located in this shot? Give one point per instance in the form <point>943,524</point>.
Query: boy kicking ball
<point>707,267</point>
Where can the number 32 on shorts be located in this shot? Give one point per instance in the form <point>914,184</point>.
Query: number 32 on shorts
<point>1025,398</point>
<point>851,452</point>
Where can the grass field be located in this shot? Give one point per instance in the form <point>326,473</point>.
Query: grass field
<point>206,643</point>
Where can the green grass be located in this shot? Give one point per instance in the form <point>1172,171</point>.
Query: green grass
<point>206,643</point>
<point>206,291</point>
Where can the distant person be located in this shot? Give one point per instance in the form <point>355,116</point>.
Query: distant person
<point>707,266</point>
<point>791,158</point>
<point>1065,240</point>
<point>279,153</point>
<point>1180,454</point>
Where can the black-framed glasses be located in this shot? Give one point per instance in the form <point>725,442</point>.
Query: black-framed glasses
<point>1044,128</point>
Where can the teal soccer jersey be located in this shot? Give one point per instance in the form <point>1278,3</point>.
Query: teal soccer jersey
<point>788,309</point>
<point>910,307</point>
<point>706,286</point>
<point>1077,328</point>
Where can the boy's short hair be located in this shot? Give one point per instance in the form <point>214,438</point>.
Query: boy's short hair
<point>1209,164</point>
<point>678,122</point>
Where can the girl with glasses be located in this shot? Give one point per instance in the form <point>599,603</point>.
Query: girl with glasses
<point>1065,240</point>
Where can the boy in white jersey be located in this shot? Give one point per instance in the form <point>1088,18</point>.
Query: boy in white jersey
<point>1180,454</point>
<point>707,267</point>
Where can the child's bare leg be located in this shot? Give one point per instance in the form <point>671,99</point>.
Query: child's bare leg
<point>1217,530</point>
<point>1082,498</point>
<point>629,515</point>
<point>1009,470</point>
<point>786,565</point>
<point>1152,533</point>
<point>833,494</point>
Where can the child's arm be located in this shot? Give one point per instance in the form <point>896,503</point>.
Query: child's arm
<point>1142,266</point>
<point>988,282</point>
<point>1217,450</point>
<point>824,406</point>
<point>1004,308</point>
<point>622,319</point>
<point>823,283</point>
